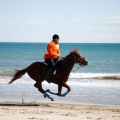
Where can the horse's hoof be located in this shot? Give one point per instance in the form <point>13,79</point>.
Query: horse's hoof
<point>58,94</point>
<point>52,99</point>
<point>35,85</point>
<point>44,96</point>
<point>48,90</point>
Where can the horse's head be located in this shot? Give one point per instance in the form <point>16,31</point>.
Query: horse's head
<point>78,58</point>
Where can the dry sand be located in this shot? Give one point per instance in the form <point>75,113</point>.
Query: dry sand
<point>15,110</point>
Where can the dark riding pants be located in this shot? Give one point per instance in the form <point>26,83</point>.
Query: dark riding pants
<point>51,62</point>
<point>50,69</point>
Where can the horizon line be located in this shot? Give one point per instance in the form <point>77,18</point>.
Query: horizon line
<point>69,42</point>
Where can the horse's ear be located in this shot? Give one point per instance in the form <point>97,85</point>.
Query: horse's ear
<point>72,50</point>
<point>77,49</point>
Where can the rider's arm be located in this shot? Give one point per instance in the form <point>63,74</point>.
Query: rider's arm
<point>58,53</point>
<point>51,51</point>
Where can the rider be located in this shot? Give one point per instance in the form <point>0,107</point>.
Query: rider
<point>51,56</point>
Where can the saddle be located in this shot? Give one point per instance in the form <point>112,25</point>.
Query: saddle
<point>50,72</point>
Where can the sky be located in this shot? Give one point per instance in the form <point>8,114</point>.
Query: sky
<point>75,21</point>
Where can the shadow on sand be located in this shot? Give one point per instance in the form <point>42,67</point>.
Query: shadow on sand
<point>17,104</point>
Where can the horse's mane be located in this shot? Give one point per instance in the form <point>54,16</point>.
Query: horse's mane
<point>76,52</point>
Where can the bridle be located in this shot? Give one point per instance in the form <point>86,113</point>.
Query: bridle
<point>76,59</point>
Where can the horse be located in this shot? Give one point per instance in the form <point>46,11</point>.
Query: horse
<point>37,72</point>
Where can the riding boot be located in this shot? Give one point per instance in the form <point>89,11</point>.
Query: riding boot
<point>48,74</point>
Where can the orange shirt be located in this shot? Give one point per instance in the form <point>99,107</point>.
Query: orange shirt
<point>52,50</point>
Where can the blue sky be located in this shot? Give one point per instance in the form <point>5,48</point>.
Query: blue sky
<point>81,21</point>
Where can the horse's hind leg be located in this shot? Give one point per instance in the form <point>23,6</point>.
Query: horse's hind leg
<point>43,91</point>
<point>35,85</point>
<point>39,86</point>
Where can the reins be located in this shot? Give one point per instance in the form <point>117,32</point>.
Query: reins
<point>76,69</point>
<point>75,61</point>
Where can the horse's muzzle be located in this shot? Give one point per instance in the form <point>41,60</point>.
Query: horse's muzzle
<point>84,63</point>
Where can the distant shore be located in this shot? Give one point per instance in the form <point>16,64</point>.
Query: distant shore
<point>20,110</point>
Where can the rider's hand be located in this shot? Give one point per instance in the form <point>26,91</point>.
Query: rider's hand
<point>57,56</point>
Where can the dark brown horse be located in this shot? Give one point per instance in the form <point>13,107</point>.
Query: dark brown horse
<point>37,72</point>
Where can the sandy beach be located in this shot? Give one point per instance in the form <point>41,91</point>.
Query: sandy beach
<point>15,110</point>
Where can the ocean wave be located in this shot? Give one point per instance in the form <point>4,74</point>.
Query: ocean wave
<point>102,76</point>
<point>7,73</point>
<point>90,83</point>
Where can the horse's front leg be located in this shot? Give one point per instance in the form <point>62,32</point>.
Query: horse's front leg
<point>53,93</point>
<point>64,84</point>
<point>59,90</point>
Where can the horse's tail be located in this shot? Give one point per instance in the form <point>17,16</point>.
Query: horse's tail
<point>18,74</point>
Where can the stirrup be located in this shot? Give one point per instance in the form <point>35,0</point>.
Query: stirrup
<point>54,72</point>
<point>48,75</point>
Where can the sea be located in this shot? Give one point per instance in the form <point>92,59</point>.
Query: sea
<point>97,83</point>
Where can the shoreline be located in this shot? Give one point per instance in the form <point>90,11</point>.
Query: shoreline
<point>29,110</point>
<point>86,99</point>
<point>23,102</point>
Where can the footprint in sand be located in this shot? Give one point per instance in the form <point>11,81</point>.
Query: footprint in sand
<point>89,118</point>
<point>32,118</point>
<point>99,118</point>
<point>37,118</point>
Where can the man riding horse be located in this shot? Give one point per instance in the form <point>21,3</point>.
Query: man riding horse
<point>37,70</point>
<point>51,56</point>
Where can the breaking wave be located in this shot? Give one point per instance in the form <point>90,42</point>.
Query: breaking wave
<point>102,76</point>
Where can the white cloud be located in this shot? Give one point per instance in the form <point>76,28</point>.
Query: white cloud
<point>73,22</point>
<point>109,20</point>
<point>37,23</point>
<point>87,29</point>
